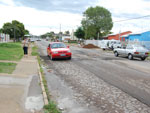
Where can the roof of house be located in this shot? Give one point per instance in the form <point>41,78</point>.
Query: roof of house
<point>137,33</point>
<point>119,33</point>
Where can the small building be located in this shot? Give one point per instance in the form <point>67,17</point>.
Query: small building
<point>142,38</point>
<point>4,37</point>
<point>117,36</point>
<point>145,36</point>
<point>66,37</point>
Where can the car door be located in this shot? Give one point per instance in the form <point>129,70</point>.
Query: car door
<point>121,50</point>
<point>129,49</point>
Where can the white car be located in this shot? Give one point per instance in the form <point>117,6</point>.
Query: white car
<point>32,39</point>
<point>132,51</point>
<point>110,44</point>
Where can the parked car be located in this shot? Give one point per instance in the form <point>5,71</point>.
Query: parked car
<point>115,44</point>
<point>110,44</point>
<point>132,51</point>
<point>38,39</point>
<point>47,38</point>
<point>58,50</point>
<point>32,39</point>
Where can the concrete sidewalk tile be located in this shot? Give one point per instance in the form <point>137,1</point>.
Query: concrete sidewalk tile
<point>7,61</point>
<point>27,66</point>
<point>12,96</point>
<point>11,99</point>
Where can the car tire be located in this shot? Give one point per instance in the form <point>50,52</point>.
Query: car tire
<point>69,58</point>
<point>143,58</point>
<point>116,54</point>
<point>130,57</point>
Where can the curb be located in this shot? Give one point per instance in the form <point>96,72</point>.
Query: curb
<point>42,86</point>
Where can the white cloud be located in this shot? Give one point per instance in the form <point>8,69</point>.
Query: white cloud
<point>125,9</point>
<point>39,22</point>
<point>126,6</point>
<point>7,2</point>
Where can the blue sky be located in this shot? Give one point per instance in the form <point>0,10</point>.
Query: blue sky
<point>41,16</point>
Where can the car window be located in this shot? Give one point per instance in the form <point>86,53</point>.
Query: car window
<point>129,47</point>
<point>58,45</point>
<point>139,47</point>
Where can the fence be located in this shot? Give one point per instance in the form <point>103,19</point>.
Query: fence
<point>94,42</point>
<point>143,43</point>
<point>98,43</point>
<point>4,38</point>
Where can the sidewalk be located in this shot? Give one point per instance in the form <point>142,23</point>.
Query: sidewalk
<point>20,91</point>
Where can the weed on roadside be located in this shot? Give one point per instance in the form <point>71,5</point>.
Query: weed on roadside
<point>51,108</point>
<point>34,51</point>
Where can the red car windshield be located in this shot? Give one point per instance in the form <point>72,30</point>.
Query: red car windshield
<point>58,45</point>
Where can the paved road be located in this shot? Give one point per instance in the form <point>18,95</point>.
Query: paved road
<point>107,82</point>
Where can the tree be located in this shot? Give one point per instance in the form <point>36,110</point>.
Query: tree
<point>67,32</point>
<point>97,22</point>
<point>79,33</point>
<point>48,34</point>
<point>26,32</point>
<point>15,29</point>
<point>1,30</point>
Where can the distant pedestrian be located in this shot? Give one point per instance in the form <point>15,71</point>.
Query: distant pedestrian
<point>25,44</point>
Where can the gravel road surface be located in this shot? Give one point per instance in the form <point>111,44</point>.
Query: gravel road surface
<point>100,82</point>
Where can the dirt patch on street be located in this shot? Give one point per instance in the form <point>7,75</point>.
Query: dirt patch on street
<point>90,46</point>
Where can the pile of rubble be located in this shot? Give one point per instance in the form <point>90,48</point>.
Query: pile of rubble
<point>90,46</point>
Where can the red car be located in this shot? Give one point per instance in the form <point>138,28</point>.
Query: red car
<point>58,50</point>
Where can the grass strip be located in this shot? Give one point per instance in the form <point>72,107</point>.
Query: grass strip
<point>11,51</point>
<point>34,51</point>
<point>7,67</point>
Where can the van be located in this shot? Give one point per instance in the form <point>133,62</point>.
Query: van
<point>110,44</point>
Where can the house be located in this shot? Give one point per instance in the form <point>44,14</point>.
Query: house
<point>142,38</point>
<point>66,37</point>
<point>117,36</point>
<point>4,37</point>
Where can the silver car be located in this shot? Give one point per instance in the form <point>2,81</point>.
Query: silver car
<point>132,51</point>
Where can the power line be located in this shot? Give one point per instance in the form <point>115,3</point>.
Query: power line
<point>133,18</point>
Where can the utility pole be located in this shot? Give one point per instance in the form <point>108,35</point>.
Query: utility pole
<point>60,35</point>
